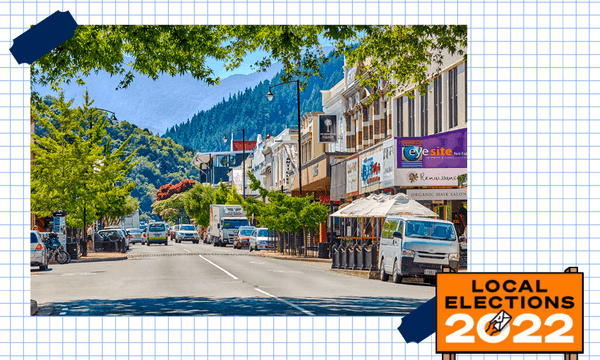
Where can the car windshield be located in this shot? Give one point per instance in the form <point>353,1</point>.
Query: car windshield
<point>187,228</point>
<point>246,232</point>
<point>430,230</point>
<point>156,227</point>
<point>234,224</point>
<point>265,233</point>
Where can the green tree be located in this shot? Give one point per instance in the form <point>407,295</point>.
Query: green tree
<point>74,168</point>
<point>197,203</point>
<point>399,53</point>
<point>233,198</point>
<point>221,194</point>
<point>172,209</point>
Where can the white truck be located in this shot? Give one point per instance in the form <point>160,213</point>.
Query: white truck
<point>225,221</point>
<point>132,221</point>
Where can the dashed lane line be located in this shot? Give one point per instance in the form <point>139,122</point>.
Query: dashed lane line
<point>285,301</point>
<point>218,267</point>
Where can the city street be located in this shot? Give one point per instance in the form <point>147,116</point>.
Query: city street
<point>199,279</point>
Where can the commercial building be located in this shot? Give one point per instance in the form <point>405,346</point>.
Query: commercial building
<point>411,142</point>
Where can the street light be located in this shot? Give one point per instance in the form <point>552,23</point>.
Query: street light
<point>270,96</point>
<point>243,157</point>
<point>114,117</point>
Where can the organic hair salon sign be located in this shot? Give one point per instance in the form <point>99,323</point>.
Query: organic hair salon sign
<point>443,150</point>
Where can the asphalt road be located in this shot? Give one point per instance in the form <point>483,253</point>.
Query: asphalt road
<point>199,279</point>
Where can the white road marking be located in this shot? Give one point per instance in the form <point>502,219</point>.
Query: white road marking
<point>187,250</point>
<point>218,267</point>
<point>285,301</point>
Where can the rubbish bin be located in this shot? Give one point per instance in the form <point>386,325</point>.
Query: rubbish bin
<point>324,250</point>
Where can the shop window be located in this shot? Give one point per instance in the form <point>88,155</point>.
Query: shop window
<point>437,105</point>
<point>411,115</point>
<point>399,116</point>
<point>424,114</point>
<point>452,98</point>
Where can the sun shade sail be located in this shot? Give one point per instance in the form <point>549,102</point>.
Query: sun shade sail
<point>384,205</point>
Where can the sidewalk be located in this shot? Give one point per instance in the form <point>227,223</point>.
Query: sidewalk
<point>100,256</point>
<point>280,256</point>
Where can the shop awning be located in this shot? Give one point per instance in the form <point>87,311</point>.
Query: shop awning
<point>384,205</point>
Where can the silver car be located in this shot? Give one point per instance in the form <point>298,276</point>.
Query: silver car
<point>259,239</point>
<point>135,235</point>
<point>39,253</point>
<point>187,233</point>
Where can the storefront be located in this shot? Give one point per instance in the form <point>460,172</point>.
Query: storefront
<point>432,170</point>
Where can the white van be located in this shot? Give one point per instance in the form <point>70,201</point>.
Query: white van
<point>412,246</point>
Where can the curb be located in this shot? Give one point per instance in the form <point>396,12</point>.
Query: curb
<point>365,274</point>
<point>99,259</point>
<point>309,259</point>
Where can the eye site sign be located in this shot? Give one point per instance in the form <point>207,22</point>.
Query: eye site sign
<point>509,313</point>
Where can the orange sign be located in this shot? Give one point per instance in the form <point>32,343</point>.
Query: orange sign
<point>509,313</point>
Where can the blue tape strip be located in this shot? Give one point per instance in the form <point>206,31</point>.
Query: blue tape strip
<point>43,37</point>
<point>420,323</point>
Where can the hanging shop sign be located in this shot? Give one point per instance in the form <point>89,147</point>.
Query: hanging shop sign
<point>443,150</point>
<point>437,194</point>
<point>352,176</point>
<point>388,163</point>
<point>428,177</point>
<point>327,128</point>
<point>370,169</point>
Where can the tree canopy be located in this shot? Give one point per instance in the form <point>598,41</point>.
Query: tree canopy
<point>399,53</point>
<point>75,167</point>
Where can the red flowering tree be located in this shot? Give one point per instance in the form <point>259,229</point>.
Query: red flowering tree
<point>168,190</point>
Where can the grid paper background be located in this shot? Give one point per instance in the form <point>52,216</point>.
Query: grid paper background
<point>534,163</point>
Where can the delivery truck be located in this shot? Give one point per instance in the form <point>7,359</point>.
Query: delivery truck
<point>132,221</point>
<point>225,221</point>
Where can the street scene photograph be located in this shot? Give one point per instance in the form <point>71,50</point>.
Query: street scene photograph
<point>268,170</point>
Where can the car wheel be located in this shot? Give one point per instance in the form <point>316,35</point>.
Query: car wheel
<point>396,274</point>
<point>250,248</point>
<point>43,267</point>
<point>383,276</point>
<point>148,243</point>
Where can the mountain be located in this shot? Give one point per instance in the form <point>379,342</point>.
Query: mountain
<point>250,109</point>
<point>158,105</point>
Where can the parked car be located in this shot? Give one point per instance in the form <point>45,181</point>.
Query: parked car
<point>173,231</point>
<point>259,239</point>
<point>156,233</point>
<point>39,253</point>
<point>135,235</point>
<point>411,246</point>
<point>119,235</point>
<point>187,232</point>
<point>243,237</point>
<point>206,235</point>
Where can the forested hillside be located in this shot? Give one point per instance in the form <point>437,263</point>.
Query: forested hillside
<point>251,110</point>
<point>160,161</point>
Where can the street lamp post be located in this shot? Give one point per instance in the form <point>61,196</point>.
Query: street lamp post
<point>243,157</point>
<point>270,96</point>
